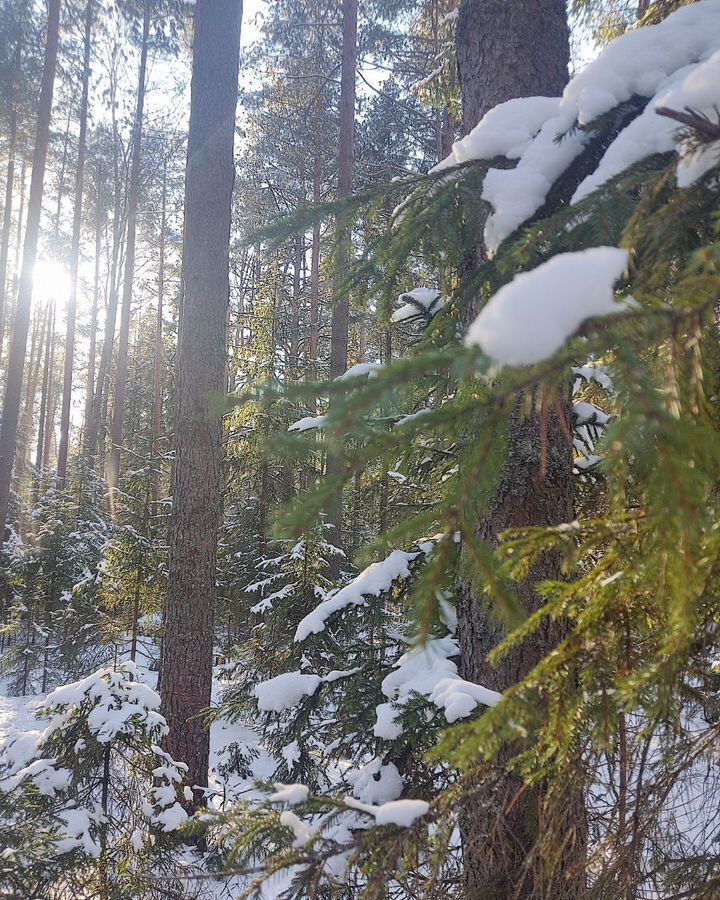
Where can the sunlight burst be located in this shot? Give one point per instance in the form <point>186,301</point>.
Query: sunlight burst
<point>51,281</point>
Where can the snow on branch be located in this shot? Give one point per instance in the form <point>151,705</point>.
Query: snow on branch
<point>530,318</point>
<point>373,581</point>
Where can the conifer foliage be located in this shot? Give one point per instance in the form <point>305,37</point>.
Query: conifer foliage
<point>290,628</point>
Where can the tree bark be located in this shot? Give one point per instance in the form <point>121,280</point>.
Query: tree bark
<point>507,50</point>
<point>92,348</point>
<point>32,377</point>
<point>346,164</point>
<point>50,405</point>
<point>186,675</point>
<point>44,392</point>
<point>75,257</point>
<point>7,210</point>
<point>121,371</point>
<point>502,824</point>
<point>18,345</point>
<point>19,230</point>
<point>159,354</point>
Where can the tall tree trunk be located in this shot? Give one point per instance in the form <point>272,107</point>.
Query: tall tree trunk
<point>293,373</point>
<point>314,341</point>
<point>186,676</point>
<point>121,371</point>
<point>18,345</point>
<point>7,210</point>
<point>50,406</point>
<point>92,348</point>
<point>346,164</point>
<point>99,402</point>
<point>502,824</point>
<point>63,170</point>
<point>32,377</point>
<point>19,229</point>
<point>75,257</point>
<point>44,399</point>
<point>159,354</point>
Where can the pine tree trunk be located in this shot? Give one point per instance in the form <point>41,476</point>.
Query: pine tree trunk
<point>7,209</point>
<point>159,354</point>
<point>507,50</point>
<point>63,170</point>
<point>92,348</point>
<point>99,402</point>
<point>346,164</point>
<point>44,391</point>
<point>314,341</point>
<point>121,370</point>
<point>19,229</point>
<point>50,407</point>
<point>18,345</point>
<point>186,677</point>
<point>502,823</point>
<point>75,257</point>
<point>32,377</point>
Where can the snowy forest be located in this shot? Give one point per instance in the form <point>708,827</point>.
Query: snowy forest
<point>360,449</point>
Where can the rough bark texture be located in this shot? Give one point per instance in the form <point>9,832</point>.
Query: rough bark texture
<point>18,345</point>
<point>9,185</point>
<point>121,373</point>
<point>507,50</point>
<point>44,392</point>
<point>75,256</point>
<point>158,367</point>
<point>346,164</point>
<point>200,377</point>
<point>92,348</point>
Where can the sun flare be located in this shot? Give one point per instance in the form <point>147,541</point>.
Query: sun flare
<point>51,281</point>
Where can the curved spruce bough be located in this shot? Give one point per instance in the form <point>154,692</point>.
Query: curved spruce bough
<point>599,218</point>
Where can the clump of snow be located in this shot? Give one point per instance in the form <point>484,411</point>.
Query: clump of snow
<point>515,194</point>
<point>375,782</point>
<point>428,670</point>
<point>642,62</point>
<point>309,422</point>
<point>693,164</point>
<point>48,778</point>
<point>285,691</point>
<point>402,813</point>
<point>589,414</point>
<point>372,581</point>
<point>360,369</point>
<point>420,301</point>
<point>289,793</point>
<point>530,318</point>
<point>459,698</point>
<point>695,86</point>
<point>386,724</point>
<point>505,131</point>
<point>403,420</point>
<point>297,826</point>
<point>591,372</point>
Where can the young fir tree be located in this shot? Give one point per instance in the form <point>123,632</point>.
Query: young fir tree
<point>85,803</point>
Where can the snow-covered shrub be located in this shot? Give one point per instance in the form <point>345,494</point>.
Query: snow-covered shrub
<point>93,787</point>
<point>55,627</point>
